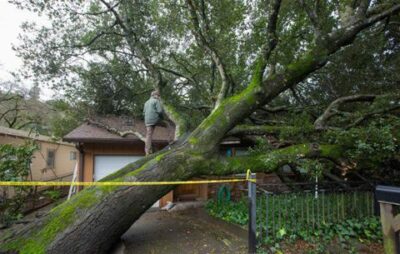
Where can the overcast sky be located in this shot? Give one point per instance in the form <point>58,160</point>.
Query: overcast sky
<point>10,20</point>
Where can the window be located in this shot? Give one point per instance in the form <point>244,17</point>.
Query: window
<point>72,156</point>
<point>51,154</point>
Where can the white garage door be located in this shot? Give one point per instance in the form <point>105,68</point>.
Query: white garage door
<point>108,164</point>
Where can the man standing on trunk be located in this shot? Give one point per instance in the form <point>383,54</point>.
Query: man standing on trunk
<point>153,114</point>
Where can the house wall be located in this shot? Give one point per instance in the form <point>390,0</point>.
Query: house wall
<point>63,165</point>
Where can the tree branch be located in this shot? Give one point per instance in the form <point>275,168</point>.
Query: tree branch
<point>261,92</point>
<point>347,34</point>
<point>136,47</point>
<point>181,124</point>
<point>260,130</point>
<point>271,42</point>
<point>97,13</point>
<point>362,8</point>
<point>115,131</point>
<point>272,38</point>
<point>276,109</point>
<point>313,16</point>
<point>271,161</point>
<point>118,18</point>
<point>332,110</point>
<point>5,113</point>
<point>178,74</point>
<point>203,40</point>
<point>361,119</point>
<point>97,36</point>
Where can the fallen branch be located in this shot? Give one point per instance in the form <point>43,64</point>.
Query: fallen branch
<point>273,160</point>
<point>115,131</point>
<point>260,130</point>
<point>333,109</point>
<point>370,114</point>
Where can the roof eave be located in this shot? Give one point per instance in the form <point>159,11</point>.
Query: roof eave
<point>109,140</point>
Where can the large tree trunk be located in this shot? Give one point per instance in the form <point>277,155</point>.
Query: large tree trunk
<point>95,218</point>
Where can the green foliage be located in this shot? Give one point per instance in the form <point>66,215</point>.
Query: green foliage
<point>262,146</point>
<point>343,216</point>
<point>369,146</point>
<point>15,161</point>
<point>313,167</point>
<point>303,126</point>
<point>14,166</point>
<point>19,111</point>
<point>67,118</point>
<point>113,70</point>
<point>371,69</point>
<point>53,194</point>
<point>234,212</point>
<point>364,229</point>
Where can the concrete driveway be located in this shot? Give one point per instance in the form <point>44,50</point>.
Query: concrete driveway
<point>189,231</point>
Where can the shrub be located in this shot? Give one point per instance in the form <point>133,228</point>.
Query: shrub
<point>14,166</point>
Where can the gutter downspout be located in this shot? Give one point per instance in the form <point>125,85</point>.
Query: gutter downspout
<point>79,147</point>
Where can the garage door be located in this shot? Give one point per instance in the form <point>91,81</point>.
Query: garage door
<point>108,164</point>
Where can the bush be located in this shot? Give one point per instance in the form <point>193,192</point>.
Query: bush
<point>298,216</point>
<point>52,194</point>
<point>14,166</point>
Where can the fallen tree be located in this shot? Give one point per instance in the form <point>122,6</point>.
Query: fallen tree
<point>96,217</point>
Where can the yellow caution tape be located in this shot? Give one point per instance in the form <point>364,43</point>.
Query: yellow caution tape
<point>38,183</point>
<point>248,173</point>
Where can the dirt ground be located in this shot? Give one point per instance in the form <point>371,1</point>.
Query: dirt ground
<point>189,231</point>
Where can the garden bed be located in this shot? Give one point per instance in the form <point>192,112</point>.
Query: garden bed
<point>340,223</point>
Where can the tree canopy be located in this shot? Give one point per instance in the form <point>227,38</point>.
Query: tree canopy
<point>318,79</point>
<point>110,59</point>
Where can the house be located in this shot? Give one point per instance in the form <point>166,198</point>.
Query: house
<point>103,151</point>
<point>54,160</point>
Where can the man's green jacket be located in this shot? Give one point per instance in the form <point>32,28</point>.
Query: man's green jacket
<point>153,111</point>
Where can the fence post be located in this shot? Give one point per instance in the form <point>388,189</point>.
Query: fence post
<point>252,215</point>
<point>389,197</point>
<point>266,216</point>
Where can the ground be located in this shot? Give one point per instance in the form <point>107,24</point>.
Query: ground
<point>302,247</point>
<point>193,231</point>
<point>189,231</point>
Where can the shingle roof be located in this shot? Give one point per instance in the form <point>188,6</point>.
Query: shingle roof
<point>28,134</point>
<point>89,132</point>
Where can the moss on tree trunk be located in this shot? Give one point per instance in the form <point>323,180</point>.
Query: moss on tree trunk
<point>95,218</point>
